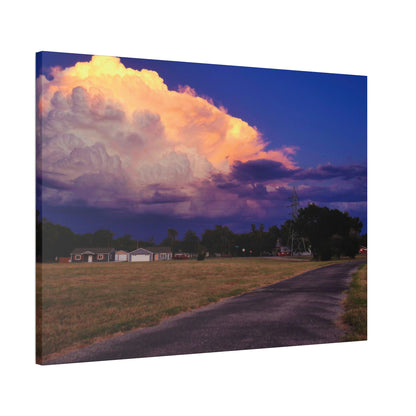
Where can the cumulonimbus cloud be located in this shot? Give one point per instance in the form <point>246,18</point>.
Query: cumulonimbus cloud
<point>115,137</point>
<point>111,135</point>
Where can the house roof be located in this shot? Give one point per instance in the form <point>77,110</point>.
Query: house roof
<point>95,250</point>
<point>140,251</point>
<point>159,249</point>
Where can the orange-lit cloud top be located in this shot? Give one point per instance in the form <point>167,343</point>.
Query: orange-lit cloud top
<point>189,121</point>
<point>104,126</point>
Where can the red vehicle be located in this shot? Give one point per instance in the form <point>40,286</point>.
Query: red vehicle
<point>363,250</point>
<point>181,256</point>
<point>283,253</point>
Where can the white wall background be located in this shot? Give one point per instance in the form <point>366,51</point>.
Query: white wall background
<point>354,37</point>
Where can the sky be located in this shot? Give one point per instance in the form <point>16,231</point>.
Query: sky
<point>139,146</point>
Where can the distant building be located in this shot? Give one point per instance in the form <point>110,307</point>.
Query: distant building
<point>121,255</point>
<point>140,254</point>
<point>64,259</point>
<point>92,255</point>
<point>151,254</point>
<point>161,253</point>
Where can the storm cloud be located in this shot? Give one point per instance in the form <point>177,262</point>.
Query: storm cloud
<point>117,138</point>
<point>106,133</point>
<point>263,170</point>
<point>260,170</point>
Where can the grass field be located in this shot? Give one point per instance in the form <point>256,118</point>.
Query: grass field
<point>355,316</point>
<point>78,304</point>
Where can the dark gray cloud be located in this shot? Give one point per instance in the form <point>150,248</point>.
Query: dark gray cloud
<point>259,170</point>
<point>165,198</point>
<point>335,194</point>
<point>331,171</point>
<point>263,170</point>
<point>50,181</point>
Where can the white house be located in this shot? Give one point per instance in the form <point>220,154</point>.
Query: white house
<point>140,254</point>
<point>121,255</point>
<point>160,253</point>
<point>151,254</point>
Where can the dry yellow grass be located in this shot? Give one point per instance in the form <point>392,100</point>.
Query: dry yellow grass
<point>78,304</point>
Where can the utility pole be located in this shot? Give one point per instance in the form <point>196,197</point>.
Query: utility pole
<point>295,208</point>
<point>297,242</point>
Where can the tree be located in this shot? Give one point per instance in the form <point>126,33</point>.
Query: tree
<point>38,237</point>
<point>285,233</point>
<point>271,238</point>
<point>57,241</point>
<point>363,240</point>
<point>337,244</point>
<point>103,238</point>
<point>83,240</point>
<point>190,242</point>
<point>170,240</point>
<point>126,242</point>
<point>172,234</point>
<point>54,240</point>
<point>258,240</point>
<point>330,232</point>
<point>219,240</point>
<point>244,243</point>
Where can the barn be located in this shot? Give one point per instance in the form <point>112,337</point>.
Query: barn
<point>92,255</point>
<point>122,255</point>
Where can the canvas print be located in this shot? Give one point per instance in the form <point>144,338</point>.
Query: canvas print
<point>189,208</point>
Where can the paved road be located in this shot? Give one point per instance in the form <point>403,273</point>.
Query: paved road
<point>298,311</point>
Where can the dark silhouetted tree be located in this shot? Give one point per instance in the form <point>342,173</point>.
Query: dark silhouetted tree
<point>38,237</point>
<point>125,242</point>
<point>57,241</point>
<point>220,240</point>
<point>190,242</point>
<point>103,238</point>
<point>171,241</point>
<point>330,232</point>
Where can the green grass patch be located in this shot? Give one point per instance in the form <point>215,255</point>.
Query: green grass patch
<point>79,304</point>
<point>355,315</point>
<point>173,311</point>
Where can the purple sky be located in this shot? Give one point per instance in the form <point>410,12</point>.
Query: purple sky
<point>189,146</point>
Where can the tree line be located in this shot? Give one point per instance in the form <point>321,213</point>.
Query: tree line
<point>326,233</point>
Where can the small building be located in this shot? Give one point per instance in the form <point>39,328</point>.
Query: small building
<point>64,259</point>
<point>140,254</point>
<point>151,254</point>
<point>92,255</point>
<point>160,253</point>
<point>121,255</point>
